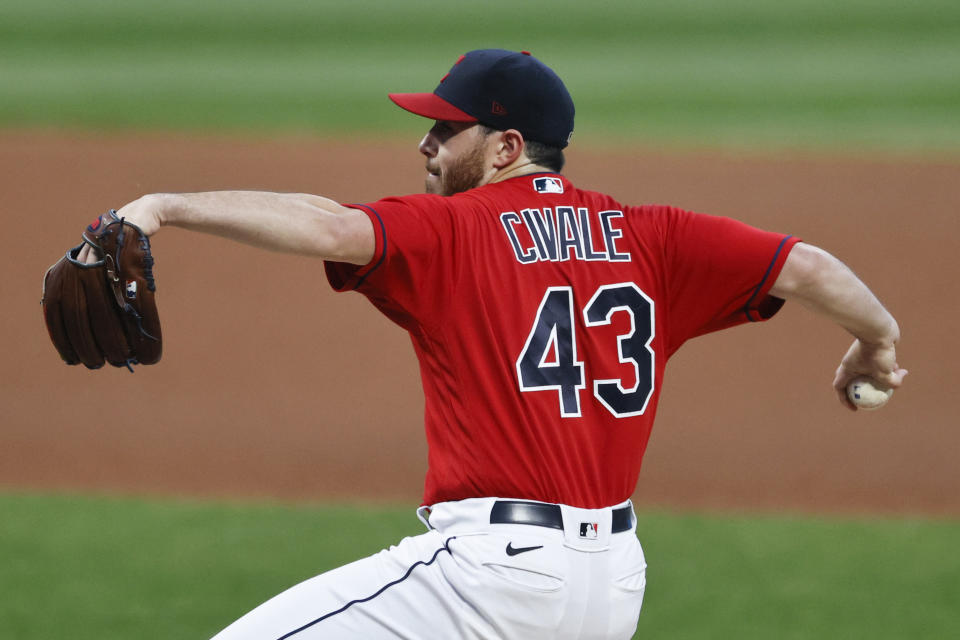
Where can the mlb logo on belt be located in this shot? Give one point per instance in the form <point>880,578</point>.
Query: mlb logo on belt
<point>588,530</point>
<point>548,185</point>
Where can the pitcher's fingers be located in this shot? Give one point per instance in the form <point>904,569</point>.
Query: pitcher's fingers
<point>898,377</point>
<point>845,399</point>
<point>893,379</point>
<point>89,254</point>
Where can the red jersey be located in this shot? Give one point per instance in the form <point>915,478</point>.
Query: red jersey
<point>542,316</point>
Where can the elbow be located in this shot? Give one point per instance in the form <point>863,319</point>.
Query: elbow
<point>824,284</point>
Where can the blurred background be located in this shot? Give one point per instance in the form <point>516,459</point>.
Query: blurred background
<point>281,435</point>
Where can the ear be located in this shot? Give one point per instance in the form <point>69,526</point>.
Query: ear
<point>509,147</point>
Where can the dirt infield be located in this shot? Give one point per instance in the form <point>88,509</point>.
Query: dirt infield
<point>272,385</point>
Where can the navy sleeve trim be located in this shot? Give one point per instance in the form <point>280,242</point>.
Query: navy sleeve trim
<point>756,292</point>
<point>383,251</point>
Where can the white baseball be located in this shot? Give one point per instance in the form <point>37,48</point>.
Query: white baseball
<point>865,393</point>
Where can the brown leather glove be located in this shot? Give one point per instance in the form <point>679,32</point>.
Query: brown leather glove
<point>104,310</point>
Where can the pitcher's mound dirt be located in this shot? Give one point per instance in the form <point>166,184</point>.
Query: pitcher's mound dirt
<point>272,385</point>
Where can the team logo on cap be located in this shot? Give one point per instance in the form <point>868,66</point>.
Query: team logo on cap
<point>589,530</point>
<point>548,185</point>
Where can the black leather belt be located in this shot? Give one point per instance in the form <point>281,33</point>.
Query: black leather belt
<point>540,514</point>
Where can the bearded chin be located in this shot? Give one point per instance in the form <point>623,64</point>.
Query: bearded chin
<point>462,175</point>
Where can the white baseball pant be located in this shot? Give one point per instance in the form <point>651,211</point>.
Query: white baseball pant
<point>488,568</point>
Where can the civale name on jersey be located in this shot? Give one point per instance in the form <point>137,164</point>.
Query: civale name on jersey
<point>564,233</point>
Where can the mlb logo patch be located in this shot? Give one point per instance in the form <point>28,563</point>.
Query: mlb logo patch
<point>131,289</point>
<point>588,530</point>
<point>548,185</point>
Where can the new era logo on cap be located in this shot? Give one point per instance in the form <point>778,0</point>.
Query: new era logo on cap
<point>548,185</point>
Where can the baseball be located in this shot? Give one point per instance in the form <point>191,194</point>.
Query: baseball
<point>865,393</point>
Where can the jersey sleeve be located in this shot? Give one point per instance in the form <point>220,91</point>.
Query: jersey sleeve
<point>719,273</point>
<point>408,276</point>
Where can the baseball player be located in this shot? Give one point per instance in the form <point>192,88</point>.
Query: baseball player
<point>542,315</point>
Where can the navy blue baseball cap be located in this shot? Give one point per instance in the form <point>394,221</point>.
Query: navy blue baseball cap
<point>503,90</point>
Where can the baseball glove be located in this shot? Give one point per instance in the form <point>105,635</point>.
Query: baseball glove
<point>104,310</point>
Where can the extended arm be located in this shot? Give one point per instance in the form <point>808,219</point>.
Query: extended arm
<point>823,284</point>
<point>290,223</point>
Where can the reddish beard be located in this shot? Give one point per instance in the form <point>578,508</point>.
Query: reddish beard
<point>464,173</point>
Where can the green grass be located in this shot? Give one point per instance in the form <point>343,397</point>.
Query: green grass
<point>796,73</point>
<point>788,577</point>
<point>102,568</point>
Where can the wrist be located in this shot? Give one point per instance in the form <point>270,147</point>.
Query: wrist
<point>162,208</point>
<point>149,212</point>
<point>888,337</point>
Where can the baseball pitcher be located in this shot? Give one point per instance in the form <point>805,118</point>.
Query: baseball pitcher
<point>542,315</point>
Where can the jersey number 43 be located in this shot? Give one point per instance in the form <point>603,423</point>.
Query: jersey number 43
<point>549,358</point>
